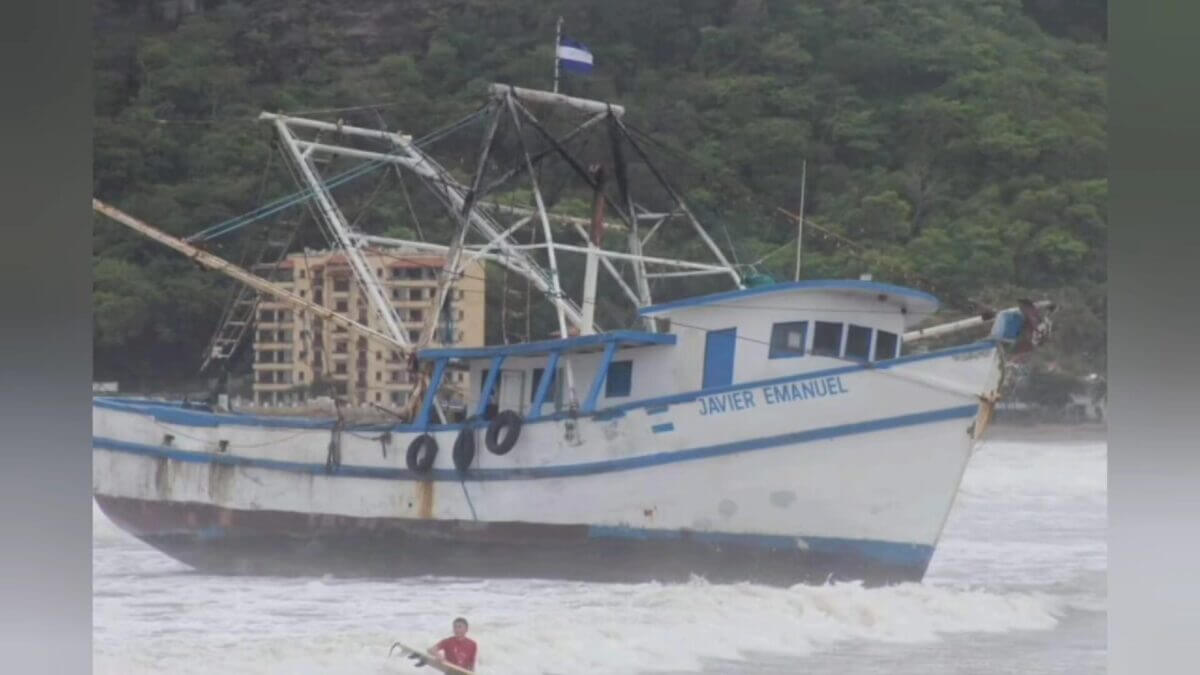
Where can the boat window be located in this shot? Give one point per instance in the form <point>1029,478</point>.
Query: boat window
<point>787,339</point>
<point>885,345</point>
<point>619,381</point>
<point>858,342</point>
<point>555,395</point>
<point>827,339</point>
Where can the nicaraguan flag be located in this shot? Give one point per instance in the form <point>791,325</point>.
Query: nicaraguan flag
<point>574,56</point>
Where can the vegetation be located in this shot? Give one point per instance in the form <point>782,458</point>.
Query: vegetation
<point>959,144</point>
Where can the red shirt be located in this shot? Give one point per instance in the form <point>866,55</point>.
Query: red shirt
<point>460,651</point>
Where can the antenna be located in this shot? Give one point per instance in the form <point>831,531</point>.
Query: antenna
<point>800,217</point>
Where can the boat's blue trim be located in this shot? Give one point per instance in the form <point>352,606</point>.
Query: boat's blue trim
<point>589,405</point>
<point>815,284</point>
<point>894,553</point>
<point>485,394</point>
<point>626,337</point>
<point>549,374</point>
<point>435,383</point>
<point>663,428</point>
<point>174,413</point>
<point>852,367</point>
<point>559,471</point>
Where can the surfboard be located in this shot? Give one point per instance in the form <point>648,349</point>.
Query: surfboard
<point>431,660</point>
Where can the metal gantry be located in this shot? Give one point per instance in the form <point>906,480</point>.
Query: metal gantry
<point>479,229</point>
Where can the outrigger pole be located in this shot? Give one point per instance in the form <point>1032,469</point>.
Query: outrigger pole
<point>252,280</point>
<point>978,320</point>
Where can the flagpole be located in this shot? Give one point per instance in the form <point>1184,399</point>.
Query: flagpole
<point>800,219</point>
<point>557,42</point>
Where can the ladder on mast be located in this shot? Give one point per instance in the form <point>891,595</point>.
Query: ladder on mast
<point>242,308</point>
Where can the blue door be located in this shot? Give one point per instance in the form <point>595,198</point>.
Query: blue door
<point>718,357</point>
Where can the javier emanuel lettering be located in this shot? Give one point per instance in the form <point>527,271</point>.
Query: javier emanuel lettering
<point>773,395</point>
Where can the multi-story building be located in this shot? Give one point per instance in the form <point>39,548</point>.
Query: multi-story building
<point>297,355</point>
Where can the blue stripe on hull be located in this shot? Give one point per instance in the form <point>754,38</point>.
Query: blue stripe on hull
<point>229,541</point>
<point>174,413</point>
<point>883,551</point>
<point>559,471</point>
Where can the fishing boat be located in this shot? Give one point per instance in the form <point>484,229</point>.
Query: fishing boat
<point>769,432</point>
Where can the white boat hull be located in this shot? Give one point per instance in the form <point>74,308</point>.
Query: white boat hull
<point>846,473</point>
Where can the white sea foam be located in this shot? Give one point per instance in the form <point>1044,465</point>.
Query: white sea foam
<point>345,627</point>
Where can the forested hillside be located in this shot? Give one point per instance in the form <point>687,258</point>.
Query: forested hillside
<point>958,146</point>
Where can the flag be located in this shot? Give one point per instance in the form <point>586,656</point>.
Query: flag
<point>574,56</point>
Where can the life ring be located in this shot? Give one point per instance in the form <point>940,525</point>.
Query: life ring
<point>421,453</point>
<point>508,422</point>
<point>464,449</point>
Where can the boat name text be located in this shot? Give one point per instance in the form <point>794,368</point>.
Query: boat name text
<point>773,394</point>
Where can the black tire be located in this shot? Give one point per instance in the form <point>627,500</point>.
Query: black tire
<point>509,423</point>
<point>421,453</point>
<point>464,449</point>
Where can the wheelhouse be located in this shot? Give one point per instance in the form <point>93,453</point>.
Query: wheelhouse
<point>711,341</point>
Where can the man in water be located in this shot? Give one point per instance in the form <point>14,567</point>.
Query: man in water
<point>458,650</point>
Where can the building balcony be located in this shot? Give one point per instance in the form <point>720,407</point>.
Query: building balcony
<point>272,386</point>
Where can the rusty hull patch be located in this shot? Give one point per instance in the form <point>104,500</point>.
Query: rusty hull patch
<point>425,499</point>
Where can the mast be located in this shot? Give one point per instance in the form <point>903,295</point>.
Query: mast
<point>557,42</point>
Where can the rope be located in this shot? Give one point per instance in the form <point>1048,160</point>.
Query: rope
<point>240,445</point>
<point>287,201</point>
<point>466,494</point>
<point>280,204</point>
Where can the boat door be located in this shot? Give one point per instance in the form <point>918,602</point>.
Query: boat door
<point>512,394</point>
<point>718,357</point>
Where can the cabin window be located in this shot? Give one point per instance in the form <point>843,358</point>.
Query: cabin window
<point>787,339</point>
<point>555,393</point>
<point>885,345</point>
<point>858,342</point>
<point>619,381</point>
<point>827,339</point>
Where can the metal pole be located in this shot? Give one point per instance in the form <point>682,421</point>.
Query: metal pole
<point>556,284</point>
<point>963,324</point>
<point>341,231</point>
<point>557,42</point>
<point>800,221</point>
<point>679,203</point>
<point>454,266</point>
<point>253,281</point>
